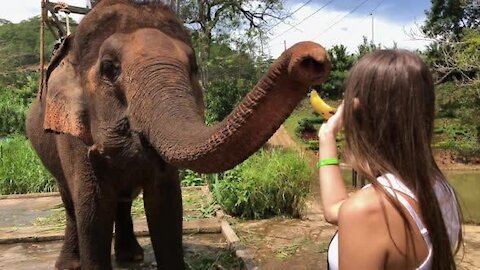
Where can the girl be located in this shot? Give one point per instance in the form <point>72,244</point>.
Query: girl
<point>408,217</point>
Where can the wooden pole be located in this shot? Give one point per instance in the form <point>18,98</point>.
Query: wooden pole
<point>42,48</point>
<point>54,34</point>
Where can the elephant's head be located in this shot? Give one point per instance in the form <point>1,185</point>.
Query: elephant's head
<point>130,72</point>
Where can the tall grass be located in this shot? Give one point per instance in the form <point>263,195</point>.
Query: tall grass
<point>14,104</point>
<point>20,169</point>
<point>270,183</point>
<point>12,113</point>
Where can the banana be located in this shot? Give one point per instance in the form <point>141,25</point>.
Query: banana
<point>319,106</point>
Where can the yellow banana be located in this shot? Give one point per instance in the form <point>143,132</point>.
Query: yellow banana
<point>319,106</point>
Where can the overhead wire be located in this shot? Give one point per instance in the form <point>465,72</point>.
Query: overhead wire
<point>304,19</point>
<point>291,14</point>
<point>369,14</point>
<point>377,6</point>
<point>343,17</point>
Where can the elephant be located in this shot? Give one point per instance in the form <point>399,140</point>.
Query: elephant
<point>121,110</point>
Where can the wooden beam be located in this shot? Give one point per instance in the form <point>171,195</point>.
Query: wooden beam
<point>57,23</point>
<point>73,9</point>
<point>49,24</point>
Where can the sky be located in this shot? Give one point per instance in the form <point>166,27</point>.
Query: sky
<point>333,22</point>
<point>348,21</point>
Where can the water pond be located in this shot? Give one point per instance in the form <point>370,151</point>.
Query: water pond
<point>467,186</point>
<point>465,182</point>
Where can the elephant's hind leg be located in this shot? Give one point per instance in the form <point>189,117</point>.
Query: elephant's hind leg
<point>127,248</point>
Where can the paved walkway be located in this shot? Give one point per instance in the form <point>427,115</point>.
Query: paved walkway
<point>32,228</point>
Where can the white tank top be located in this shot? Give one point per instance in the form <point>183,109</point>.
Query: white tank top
<point>448,206</point>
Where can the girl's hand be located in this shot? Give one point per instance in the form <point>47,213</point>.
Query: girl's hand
<point>333,125</point>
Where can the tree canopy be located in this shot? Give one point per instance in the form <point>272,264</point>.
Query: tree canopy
<point>447,18</point>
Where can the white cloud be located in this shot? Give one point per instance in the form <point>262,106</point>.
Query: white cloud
<point>349,31</point>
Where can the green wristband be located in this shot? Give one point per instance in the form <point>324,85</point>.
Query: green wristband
<point>328,161</point>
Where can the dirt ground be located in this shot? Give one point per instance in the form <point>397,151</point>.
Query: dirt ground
<point>284,243</point>
<point>202,251</point>
<point>447,160</point>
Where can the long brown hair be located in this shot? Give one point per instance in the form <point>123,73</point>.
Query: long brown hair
<point>390,131</point>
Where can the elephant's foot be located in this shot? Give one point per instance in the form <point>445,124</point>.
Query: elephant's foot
<point>128,251</point>
<point>67,262</point>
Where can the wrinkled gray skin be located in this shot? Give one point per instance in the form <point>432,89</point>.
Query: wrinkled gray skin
<point>122,110</point>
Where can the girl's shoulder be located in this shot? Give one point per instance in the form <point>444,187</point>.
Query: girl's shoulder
<point>361,206</point>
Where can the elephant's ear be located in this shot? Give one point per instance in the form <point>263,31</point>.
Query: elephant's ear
<point>65,104</point>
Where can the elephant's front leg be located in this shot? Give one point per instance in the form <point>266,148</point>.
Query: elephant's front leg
<point>163,206</point>
<point>69,257</point>
<point>127,248</point>
<point>95,213</point>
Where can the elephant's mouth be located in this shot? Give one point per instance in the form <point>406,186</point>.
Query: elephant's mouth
<point>117,143</point>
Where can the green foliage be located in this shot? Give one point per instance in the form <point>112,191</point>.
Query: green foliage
<point>190,178</point>
<point>447,100</point>
<point>21,170</point>
<point>232,74</point>
<point>13,106</point>
<point>452,134</point>
<point>468,53</point>
<point>367,47</point>
<point>241,24</point>
<point>221,97</point>
<point>313,145</point>
<point>20,44</point>
<point>462,98</point>
<point>341,61</point>
<point>447,18</point>
<point>311,124</point>
<point>269,183</point>
<point>444,18</point>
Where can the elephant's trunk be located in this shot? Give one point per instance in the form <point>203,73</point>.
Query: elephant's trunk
<point>174,124</point>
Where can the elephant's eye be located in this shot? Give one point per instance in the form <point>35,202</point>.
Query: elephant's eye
<point>110,70</point>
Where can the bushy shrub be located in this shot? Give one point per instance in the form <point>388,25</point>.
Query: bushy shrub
<point>447,101</point>
<point>14,104</point>
<point>222,96</point>
<point>189,178</point>
<point>12,115</point>
<point>269,183</point>
<point>310,124</point>
<point>20,168</point>
<point>313,144</point>
<point>453,134</point>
